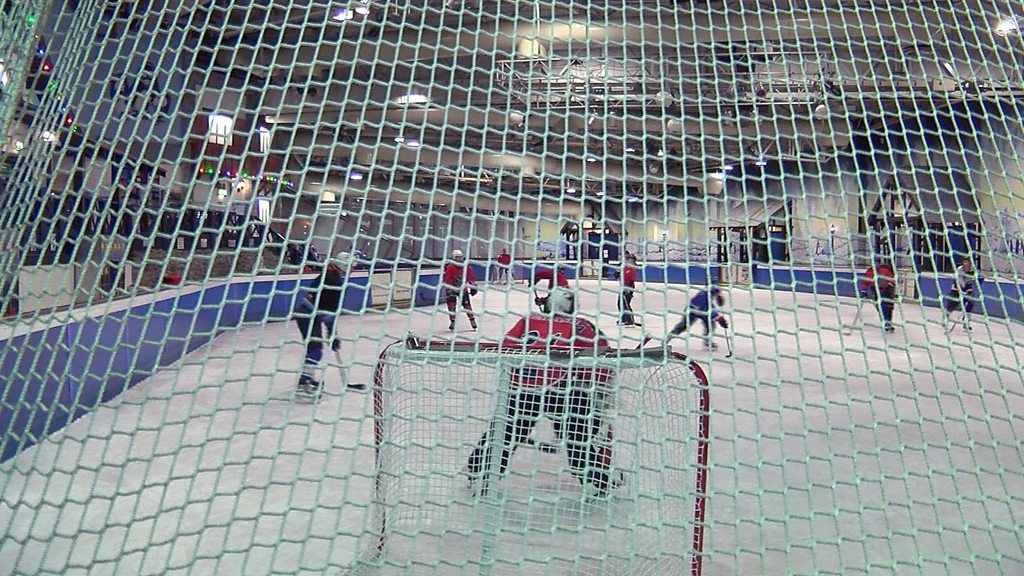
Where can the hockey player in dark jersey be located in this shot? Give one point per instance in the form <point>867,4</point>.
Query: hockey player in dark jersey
<point>705,307</point>
<point>316,314</point>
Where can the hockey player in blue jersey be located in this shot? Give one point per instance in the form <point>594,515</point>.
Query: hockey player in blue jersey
<point>705,307</point>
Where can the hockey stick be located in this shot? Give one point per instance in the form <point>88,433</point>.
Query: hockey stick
<point>344,375</point>
<point>848,328</point>
<point>728,344</point>
<point>545,447</point>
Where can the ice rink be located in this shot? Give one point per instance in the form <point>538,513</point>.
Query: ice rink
<point>830,453</point>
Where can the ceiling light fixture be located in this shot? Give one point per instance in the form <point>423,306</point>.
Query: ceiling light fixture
<point>355,176</point>
<point>1007,26</point>
<point>343,15</point>
<point>411,99</point>
<point>412,143</point>
<point>399,139</point>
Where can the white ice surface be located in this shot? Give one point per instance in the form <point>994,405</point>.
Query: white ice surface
<point>830,453</point>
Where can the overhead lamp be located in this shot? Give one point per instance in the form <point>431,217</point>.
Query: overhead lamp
<point>399,139</point>
<point>821,112</point>
<point>570,190</point>
<point>591,159</point>
<point>48,136</point>
<point>727,167</point>
<point>355,176</point>
<point>343,15</point>
<point>413,98</point>
<point>1007,26</point>
<point>412,143</point>
<point>630,148</point>
<point>362,9</point>
<point>661,152</point>
<point>762,163</point>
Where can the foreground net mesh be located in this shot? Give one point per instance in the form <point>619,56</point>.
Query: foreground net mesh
<point>177,177</point>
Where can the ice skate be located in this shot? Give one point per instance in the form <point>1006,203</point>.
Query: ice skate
<point>593,493</point>
<point>309,387</point>
<point>476,482</point>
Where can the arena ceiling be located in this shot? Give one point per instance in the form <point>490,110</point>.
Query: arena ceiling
<point>535,96</point>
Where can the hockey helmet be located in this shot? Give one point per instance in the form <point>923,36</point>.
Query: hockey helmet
<point>458,255</point>
<point>560,301</point>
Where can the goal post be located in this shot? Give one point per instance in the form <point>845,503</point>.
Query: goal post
<point>434,401</point>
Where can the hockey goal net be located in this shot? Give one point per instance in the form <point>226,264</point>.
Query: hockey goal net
<point>433,403</point>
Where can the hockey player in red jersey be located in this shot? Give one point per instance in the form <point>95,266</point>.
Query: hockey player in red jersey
<point>571,397</point>
<point>554,277</point>
<point>879,285</point>
<point>459,285</point>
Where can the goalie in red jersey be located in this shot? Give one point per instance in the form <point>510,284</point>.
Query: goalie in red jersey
<point>573,397</point>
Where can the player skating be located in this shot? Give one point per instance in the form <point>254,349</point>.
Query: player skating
<point>961,295</point>
<point>459,286</point>
<point>628,279</point>
<point>572,397</point>
<point>705,307</point>
<point>316,314</point>
<point>504,265</point>
<point>879,285</point>
<point>545,281</point>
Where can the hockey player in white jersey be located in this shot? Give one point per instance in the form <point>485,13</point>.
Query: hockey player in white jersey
<point>961,295</point>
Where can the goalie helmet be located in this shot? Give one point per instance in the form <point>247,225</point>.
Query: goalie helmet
<point>344,260</point>
<point>560,301</point>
